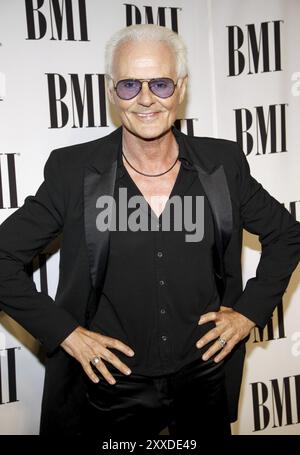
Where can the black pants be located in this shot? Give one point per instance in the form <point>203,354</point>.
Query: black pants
<point>191,402</point>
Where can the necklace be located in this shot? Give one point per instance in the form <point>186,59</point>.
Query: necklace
<point>150,175</point>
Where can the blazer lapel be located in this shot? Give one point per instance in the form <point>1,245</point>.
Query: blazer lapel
<point>217,192</point>
<point>95,185</point>
<point>99,180</point>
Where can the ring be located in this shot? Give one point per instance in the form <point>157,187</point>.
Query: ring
<point>222,341</point>
<point>95,360</point>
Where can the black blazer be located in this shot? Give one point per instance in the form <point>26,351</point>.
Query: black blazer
<point>75,177</point>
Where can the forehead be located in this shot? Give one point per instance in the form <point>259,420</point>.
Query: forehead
<point>144,59</point>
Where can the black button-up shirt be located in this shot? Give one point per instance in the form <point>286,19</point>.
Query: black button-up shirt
<point>157,284</point>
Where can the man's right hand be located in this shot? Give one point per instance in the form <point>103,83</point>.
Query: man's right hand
<point>84,345</point>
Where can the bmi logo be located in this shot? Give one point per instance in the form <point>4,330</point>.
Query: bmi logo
<point>254,49</point>
<point>164,15</point>
<point>276,403</point>
<point>261,129</point>
<point>75,100</point>
<point>56,19</point>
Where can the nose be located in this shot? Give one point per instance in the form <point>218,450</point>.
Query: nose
<point>145,96</point>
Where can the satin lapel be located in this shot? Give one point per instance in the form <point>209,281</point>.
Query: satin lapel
<point>97,184</point>
<point>217,191</point>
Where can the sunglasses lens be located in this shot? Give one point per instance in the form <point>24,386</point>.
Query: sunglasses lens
<point>163,87</point>
<point>128,88</point>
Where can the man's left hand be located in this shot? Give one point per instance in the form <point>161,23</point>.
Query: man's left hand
<point>231,327</point>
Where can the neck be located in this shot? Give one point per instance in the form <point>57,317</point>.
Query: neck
<point>150,156</point>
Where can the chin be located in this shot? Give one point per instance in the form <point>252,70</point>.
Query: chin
<point>149,133</point>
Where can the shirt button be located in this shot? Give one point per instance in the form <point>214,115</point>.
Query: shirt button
<point>159,254</point>
<point>164,338</point>
<point>162,310</point>
<point>161,282</point>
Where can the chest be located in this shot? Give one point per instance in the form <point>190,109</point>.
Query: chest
<point>155,190</point>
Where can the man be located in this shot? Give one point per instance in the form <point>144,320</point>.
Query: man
<point>148,328</point>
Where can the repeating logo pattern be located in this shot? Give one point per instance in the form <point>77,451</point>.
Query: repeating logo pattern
<point>75,102</point>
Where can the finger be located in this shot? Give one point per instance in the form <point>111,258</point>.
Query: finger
<point>89,371</point>
<point>212,316</point>
<point>117,344</point>
<point>100,366</point>
<point>209,336</point>
<point>114,360</point>
<point>226,350</point>
<point>105,373</point>
<point>218,348</point>
<point>212,350</point>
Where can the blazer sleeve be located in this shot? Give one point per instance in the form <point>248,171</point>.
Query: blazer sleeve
<point>279,235</point>
<point>24,234</point>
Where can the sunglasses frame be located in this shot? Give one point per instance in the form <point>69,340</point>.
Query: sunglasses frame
<point>142,81</point>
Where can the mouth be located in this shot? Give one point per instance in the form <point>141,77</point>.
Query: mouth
<point>147,115</point>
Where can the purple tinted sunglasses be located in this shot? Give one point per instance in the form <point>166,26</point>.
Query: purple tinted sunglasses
<point>163,87</point>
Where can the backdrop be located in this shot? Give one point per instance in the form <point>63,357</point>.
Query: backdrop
<point>244,85</point>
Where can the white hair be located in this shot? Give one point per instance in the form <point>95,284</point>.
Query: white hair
<point>147,32</point>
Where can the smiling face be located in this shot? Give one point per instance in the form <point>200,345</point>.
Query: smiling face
<point>146,116</point>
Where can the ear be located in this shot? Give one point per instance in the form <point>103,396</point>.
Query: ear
<point>110,90</point>
<point>182,89</point>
